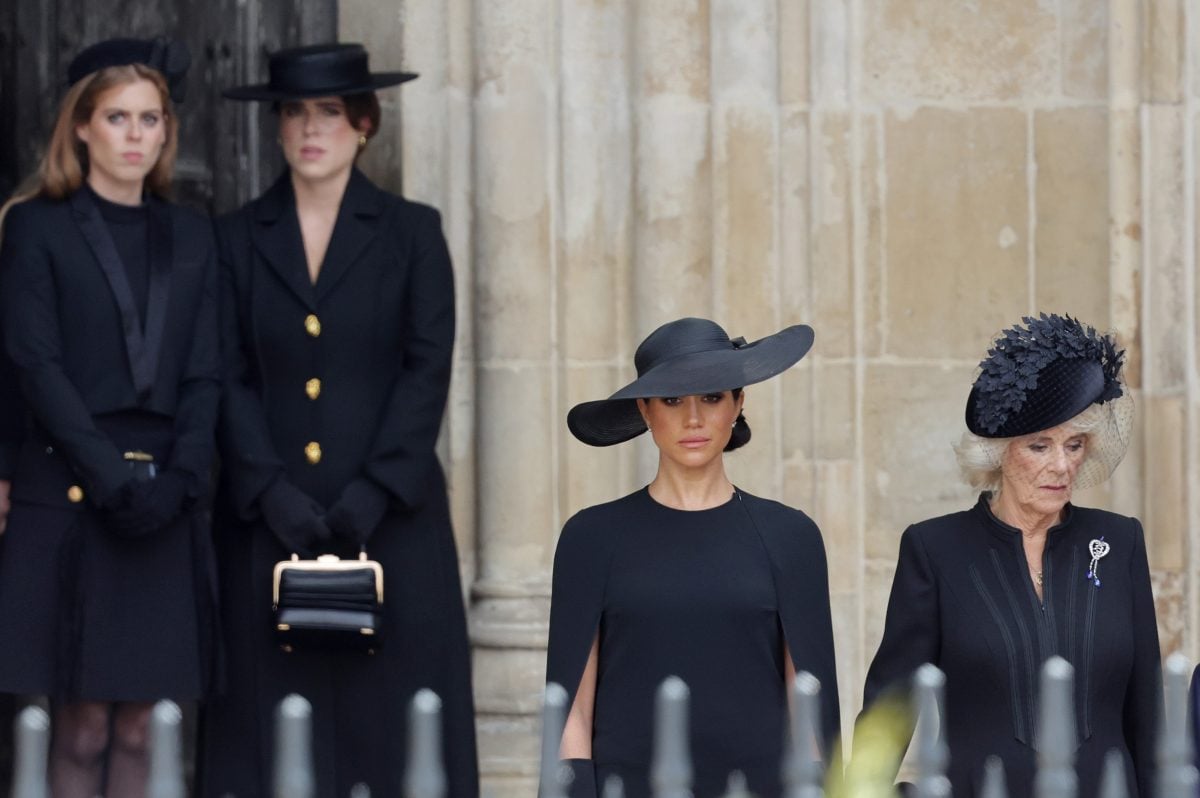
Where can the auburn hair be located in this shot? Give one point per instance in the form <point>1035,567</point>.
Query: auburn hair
<point>64,165</point>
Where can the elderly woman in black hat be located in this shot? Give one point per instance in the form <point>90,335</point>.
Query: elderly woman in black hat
<point>337,327</point>
<point>109,307</point>
<point>689,576</point>
<point>991,593</point>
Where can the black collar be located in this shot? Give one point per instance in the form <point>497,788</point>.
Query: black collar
<point>983,510</point>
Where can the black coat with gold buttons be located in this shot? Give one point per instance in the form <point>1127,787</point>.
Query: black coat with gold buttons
<point>329,385</point>
<point>343,378</point>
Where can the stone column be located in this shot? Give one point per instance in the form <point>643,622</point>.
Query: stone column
<point>672,274</point>
<point>1125,200</point>
<point>1166,327</point>
<point>596,245</point>
<point>515,156</point>
<point>822,413</point>
<point>745,242</point>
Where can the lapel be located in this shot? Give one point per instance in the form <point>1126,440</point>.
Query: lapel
<point>141,347</point>
<point>356,226</point>
<point>276,235</point>
<point>158,300</point>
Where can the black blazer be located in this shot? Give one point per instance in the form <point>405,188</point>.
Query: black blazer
<point>80,351</point>
<point>963,599</point>
<point>312,390</point>
<point>12,413</point>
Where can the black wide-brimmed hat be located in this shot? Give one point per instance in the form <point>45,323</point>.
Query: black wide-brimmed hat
<point>168,56</point>
<point>319,70</point>
<point>683,358</point>
<point>1043,374</point>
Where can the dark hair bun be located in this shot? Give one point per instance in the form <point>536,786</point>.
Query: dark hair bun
<point>741,434</point>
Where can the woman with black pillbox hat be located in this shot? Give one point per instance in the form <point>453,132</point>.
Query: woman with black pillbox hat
<point>689,577</point>
<point>991,593</point>
<point>108,295</point>
<point>337,330</point>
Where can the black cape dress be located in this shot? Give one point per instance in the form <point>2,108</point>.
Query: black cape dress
<point>962,598</point>
<point>710,596</point>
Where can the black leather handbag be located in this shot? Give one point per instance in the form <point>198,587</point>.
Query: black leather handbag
<point>328,603</point>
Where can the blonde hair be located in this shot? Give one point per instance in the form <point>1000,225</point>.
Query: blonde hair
<point>63,166</point>
<point>979,458</point>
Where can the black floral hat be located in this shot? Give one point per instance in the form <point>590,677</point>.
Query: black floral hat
<point>1038,376</point>
<point>682,358</point>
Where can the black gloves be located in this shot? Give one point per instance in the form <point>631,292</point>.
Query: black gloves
<point>583,778</point>
<point>358,511</point>
<point>142,507</point>
<point>293,517</point>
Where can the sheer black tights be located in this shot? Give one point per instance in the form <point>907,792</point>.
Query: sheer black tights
<point>100,749</point>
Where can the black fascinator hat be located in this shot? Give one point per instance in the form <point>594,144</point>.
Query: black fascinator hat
<point>1038,376</point>
<point>682,358</point>
<point>168,56</point>
<point>319,70</point>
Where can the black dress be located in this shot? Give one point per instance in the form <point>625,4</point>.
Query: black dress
<point>112,354</point>
<point>328,385</point>
<point>710,596</point>
<point>963,599</point>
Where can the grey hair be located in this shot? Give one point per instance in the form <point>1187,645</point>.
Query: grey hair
<point>979,458</point>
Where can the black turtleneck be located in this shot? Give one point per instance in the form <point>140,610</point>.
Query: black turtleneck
<point>130,232</point>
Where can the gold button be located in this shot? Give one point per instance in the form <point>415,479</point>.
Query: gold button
<point>313,452</point>
<point>313,388</point>
<point>312,325</point>
<point>74,494</point>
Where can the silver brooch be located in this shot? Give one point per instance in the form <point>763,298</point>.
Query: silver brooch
<point>1098,549</point>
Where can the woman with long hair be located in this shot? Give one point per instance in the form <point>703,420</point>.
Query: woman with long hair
<point>337,329</point>
<point>108,300</point>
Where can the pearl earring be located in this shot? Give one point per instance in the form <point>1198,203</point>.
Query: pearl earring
<point>362,142</point>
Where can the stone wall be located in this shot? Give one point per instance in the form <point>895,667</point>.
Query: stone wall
<point>907,176</point>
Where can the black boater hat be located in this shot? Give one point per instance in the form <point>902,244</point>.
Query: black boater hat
<point>1041,375</point>
<point>320,70</point>
<point>682,358</point>
<point>168,56</point>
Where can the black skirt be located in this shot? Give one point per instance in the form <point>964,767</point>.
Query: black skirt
<point>95,616</point>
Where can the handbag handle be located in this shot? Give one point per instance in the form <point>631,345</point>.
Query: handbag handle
<point>362,556</point>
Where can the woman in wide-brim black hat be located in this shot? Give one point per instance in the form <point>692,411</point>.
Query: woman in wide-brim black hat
<point>991,593</point>
<point>338,326</point>
<point>108,401</point>
<point>689,576</point>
